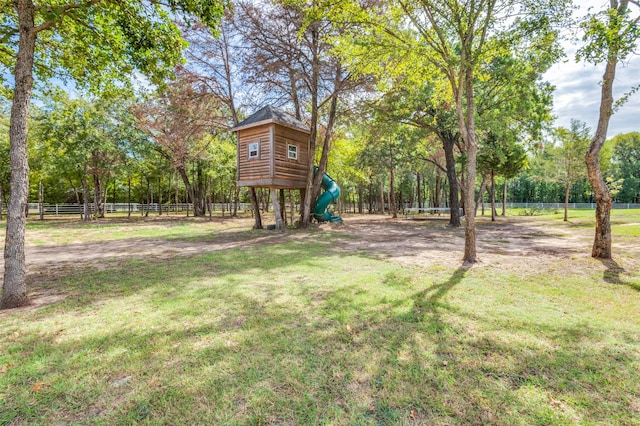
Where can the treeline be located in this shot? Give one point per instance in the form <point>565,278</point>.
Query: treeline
<point>84,151</point>
<point>390,139</point>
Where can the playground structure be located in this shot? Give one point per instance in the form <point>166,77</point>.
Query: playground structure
<point>273,152</point>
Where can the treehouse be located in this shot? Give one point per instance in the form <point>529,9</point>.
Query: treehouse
<point>272,151</point>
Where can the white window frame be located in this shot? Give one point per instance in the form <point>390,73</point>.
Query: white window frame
<point>292,154</point>
<point>253,150</point>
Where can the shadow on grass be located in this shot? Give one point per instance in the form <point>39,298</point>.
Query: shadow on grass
<point>234,352</point>
<point>613,272</point>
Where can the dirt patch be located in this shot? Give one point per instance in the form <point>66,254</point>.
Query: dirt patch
<point>515,243</point>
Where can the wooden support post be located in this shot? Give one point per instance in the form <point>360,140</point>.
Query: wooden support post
<point>276,209</point>
<point>283,210</point>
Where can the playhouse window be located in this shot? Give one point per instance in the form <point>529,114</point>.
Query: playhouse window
<point>292,152</point>
<point>254,150</point>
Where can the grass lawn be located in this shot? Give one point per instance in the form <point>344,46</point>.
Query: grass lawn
<point>302,328</point>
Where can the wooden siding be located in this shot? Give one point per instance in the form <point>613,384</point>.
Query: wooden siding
<point>287,169</point>
<point>273,168</point>
<point>255,168</point>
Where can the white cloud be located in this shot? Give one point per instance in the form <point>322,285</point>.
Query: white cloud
<point>577,92</point>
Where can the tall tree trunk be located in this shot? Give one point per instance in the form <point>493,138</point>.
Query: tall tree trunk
<point>129,196</point>
<point>314,80</point>
<point>382,197</point>
<point>326,144</point>
<point>14,287</point>
<point>602,242</point>
<point>466,120</point>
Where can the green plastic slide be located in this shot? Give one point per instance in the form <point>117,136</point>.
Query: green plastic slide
<point>331,194</point>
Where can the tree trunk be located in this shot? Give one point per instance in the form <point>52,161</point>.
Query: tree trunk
<point>493,196</point>
<point>129,196</point>
<point>301,206</point>
<point>370,194</point>
<point>436,197</point>
<point>467,129</point>
<point>188,188</point>
<point>504,198</point>
<point>448,144</point>
<point>97,196</point>
<point>236,201</point>
<point>85,199</point>
<point>382,197</point>
<point>255,207</point>
<point>160,196</point>
<point>291,208</point>
<point>148,198</point>
<point>567,187</point>
<point>480,201</point>
<point>41,200</point>
<point>314,84</point>
<point>14,288</point>
<point>602,242</point>
<point>392,195</point>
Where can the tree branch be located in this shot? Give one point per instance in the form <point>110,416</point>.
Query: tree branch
<point>64,12</point>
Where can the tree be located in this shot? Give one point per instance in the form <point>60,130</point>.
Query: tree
<point>453,40</point>
<point>573,144</point>
<point>611,36</point>
<point>5,172</point>
<point>626,164</point>
<point>178,119</point>
<point>95,42</point>
<point>417,105</point>
<point>215,62</point>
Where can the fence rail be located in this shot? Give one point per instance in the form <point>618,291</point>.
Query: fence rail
<point>75,208</point>
<point>583,206</point>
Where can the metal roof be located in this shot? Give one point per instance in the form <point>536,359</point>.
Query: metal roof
<point>270,114</point>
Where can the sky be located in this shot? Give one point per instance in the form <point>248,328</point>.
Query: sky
<point>577,85</point>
